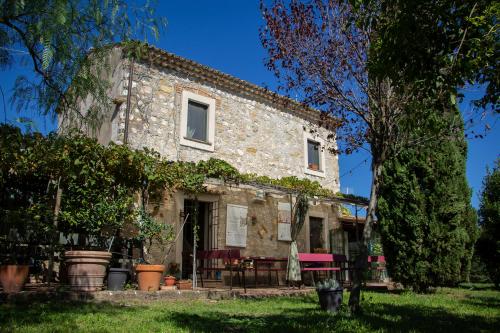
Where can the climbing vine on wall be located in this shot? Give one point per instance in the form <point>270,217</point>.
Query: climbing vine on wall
<point>100,183</point>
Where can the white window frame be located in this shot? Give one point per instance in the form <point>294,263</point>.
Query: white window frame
<point>210,102</point>
<point>322,165</point>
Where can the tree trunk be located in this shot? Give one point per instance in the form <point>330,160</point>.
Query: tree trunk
<point>55,237</point>
<point>361,261</point>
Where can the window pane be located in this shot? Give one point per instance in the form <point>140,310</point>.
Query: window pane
<point>313,155</point>
<point>316,233</point>
<point>197,121</point>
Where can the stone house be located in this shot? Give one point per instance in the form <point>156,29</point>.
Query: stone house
<point>189,112</point>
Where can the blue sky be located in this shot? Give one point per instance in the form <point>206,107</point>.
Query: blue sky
<point>223,34</point>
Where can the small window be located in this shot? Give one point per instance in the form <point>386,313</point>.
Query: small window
<point>313,155</point>
<point>197,125</point>
<point>197,121</point>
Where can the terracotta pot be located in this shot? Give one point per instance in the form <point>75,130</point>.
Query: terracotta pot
<point>13,277</point>
<point>169,280</point>
<point>149,276</point>
<point>86,269</point>
<point>184,285</point>
<point>313,166</point>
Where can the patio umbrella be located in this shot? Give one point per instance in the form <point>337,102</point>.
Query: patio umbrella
<point>293,263</point>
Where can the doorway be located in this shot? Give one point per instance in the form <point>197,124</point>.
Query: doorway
<point>316,239</point>
<point>205,216</point>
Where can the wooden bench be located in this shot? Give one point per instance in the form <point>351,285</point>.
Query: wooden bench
<point>316,262</point>
<point>220,261</point>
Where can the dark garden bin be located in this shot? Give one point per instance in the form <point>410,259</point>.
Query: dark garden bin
<point>330,299</point>
<point>117,278</point>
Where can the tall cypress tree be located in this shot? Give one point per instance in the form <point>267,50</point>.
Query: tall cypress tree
<point>488,245</point>
<point>427,224</point>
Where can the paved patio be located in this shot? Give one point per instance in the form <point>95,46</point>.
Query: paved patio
<point>42,292</point>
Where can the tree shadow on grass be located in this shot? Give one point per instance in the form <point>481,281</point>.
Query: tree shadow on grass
<point>478,286</point>
<point>482,301</point>
<point>384,317</point>
<point>419,318</point>
<point>58,315</point>
<point>291,321</point>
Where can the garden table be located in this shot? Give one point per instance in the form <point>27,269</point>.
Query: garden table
<point>267,264</point>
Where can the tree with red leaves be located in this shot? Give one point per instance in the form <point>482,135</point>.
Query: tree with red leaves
<point>320,51</point>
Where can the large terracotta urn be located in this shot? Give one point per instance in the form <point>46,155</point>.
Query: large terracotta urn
<point>86,269</point>
<point>13,277</point>
<point>149,276</point>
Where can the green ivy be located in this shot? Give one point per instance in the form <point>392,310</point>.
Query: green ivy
<point>100,183</point>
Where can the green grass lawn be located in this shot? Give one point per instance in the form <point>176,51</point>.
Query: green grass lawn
<point>448,310</point>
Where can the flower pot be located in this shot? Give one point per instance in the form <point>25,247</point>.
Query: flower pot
<point>117,278</point>
<point>184,284</point>
<point>149,276</point>
<point>314,166</point>
<point>330,299</point>
<point>86,269</point>
<point>169,280</point>
<point>13,277</point>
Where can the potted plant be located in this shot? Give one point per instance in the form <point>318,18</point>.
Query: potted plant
<point>19,231</point>
<point>173,272</point>
<point>314,166</point>
<point>13,267</point>
<point>118,272</point>
<point>117,277</point>
<point>169,280</point>
<point>24,224</point>
<point>184,284</point>
<point>330,295</point>
<point>152,233</point>
<point>97,224</point>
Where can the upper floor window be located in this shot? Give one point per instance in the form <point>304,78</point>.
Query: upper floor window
<point>313,148</point>
<point>197,121</point>
<point>314,155</point>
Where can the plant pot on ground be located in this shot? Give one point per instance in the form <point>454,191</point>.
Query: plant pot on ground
<point>149,276</point>
<point>169,280</point>
<point>19,234</point>
<point>13,277</point>
<point>184,284</point>
<point>117,277</point>
<point>98,222</point>
<point>330,295</point>
<point>160,235</point>
<point>86,269</point>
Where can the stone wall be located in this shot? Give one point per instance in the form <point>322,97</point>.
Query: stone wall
<point>252,136</point>
<point>262,214</point>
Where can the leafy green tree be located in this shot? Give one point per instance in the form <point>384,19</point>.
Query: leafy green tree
<point>441,44</point>
<point>428,225</point>
<point>489,217</point>
<point>56,37</point>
